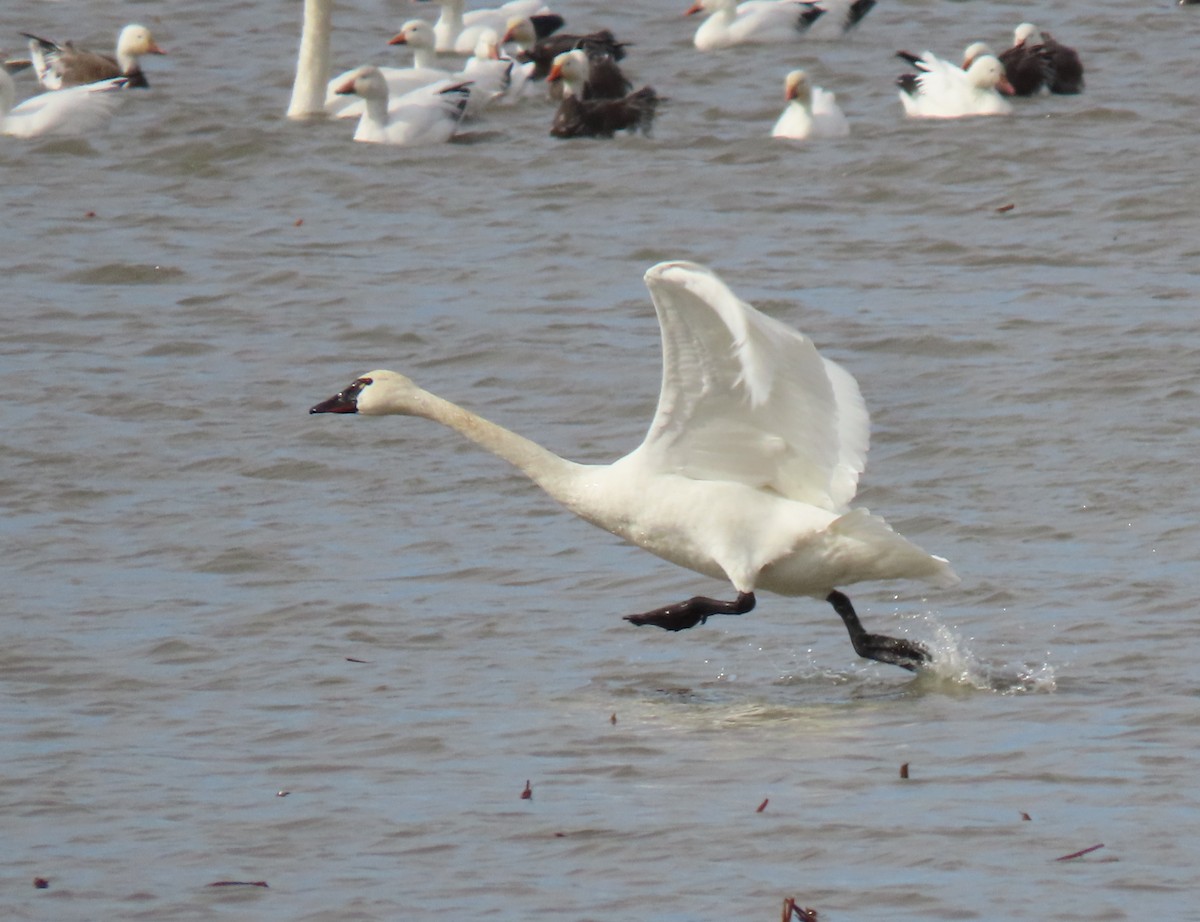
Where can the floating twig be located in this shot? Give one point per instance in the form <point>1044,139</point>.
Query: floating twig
<point>1080,853</point>
<point>527,794</point>
<point>1004,208</point>
<point>353,659</point>
<point>238,883</point>
<point>763,805</point>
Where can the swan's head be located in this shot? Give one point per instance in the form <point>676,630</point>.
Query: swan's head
<point>987,73</point>
<point>521,31</point>
<point>1026,34</point>
<point>975,50</point>
<point>377,393</point>
<point>416,32</point>
<point>366,81</point>
<point>796,86</point>
<point>135,41</point>
<point>571,67</point>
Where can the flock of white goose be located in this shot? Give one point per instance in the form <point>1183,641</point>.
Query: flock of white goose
<point>426,102</point>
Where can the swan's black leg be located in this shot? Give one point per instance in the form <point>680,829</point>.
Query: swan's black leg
<point>683,615</point>
<point>906,654</point>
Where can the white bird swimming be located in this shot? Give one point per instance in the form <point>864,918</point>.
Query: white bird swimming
<point>943,90</point>
<point>811,112</point>
<point>416,34</point>
<point>70,112</point>
<point>428,115</point>
<point>746,473</point>
<point>64,65</point>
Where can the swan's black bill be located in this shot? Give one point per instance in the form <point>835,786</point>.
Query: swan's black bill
<point>345,402</point>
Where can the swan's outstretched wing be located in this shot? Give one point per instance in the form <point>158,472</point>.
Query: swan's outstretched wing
<point>747,398</point>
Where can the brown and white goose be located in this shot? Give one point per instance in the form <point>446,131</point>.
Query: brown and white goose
<point>65,65</point>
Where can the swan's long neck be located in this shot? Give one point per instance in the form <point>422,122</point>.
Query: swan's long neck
<point>312,65</point>
<point>556,475</point>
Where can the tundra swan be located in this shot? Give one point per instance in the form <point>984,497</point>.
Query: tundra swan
<point>746,472</point>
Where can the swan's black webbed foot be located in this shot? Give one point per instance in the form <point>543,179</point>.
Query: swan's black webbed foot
<point>683,615</point>
<point>906,654</point>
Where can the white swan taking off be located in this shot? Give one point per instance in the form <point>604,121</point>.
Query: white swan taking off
<point>746,473</point>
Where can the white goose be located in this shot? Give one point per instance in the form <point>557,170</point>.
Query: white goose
<point>746,473</point>
<point>811,112</point>
<point>415,34</point>
<point>943,90</point>
<point>753,22</point>
<point>69,112</point>
<point>429,115</point>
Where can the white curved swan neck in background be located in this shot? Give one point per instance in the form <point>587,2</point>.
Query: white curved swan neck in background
<point>312,64</point>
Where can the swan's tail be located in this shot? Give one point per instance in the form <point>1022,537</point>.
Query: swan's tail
<point>887,555</point>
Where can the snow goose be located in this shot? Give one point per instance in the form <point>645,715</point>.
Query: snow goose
<point>458,31</point>
<point>429,115</point>
<point>731,23</point>
<point>1026,64</point>
<point>582,116</point>
<point>65,65</point>
<point>490,74</point>
<point>746,473</point>
<point>943,90</point>
<point>416,34</point>
<point>811,112</point>
<point>69,112</point>
<point>541,52</point>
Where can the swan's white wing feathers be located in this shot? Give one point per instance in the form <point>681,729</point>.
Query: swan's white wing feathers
<point>749,399</point>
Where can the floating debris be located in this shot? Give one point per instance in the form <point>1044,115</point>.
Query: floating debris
<point>763,805</point>
<point>904,770</point>
<point>1080,853</point>
<point>527,794</point>
<point>792,911</point>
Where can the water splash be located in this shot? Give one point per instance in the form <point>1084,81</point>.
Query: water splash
<point>955,662</point>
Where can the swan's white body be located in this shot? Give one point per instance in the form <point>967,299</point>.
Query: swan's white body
<point>945,90</point>
<point>731,23</point>
<point>460,31</point>
<point>70,112</point>
<point>750,463</point>
<point>428,115</point>
<point>417,35</point>
<point>811,112</point>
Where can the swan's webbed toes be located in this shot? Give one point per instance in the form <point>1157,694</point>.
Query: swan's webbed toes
<point>671,618</point>
<point>907,654</point>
